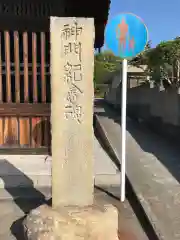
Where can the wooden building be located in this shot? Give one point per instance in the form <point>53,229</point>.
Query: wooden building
<point>24,67</point>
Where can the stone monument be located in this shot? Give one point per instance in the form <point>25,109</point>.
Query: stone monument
<point>72,58</point>
<point>74,214</point>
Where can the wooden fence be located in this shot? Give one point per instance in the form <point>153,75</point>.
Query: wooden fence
<point>24,92</point>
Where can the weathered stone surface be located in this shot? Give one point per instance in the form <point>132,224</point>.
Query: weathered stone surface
<point>72,223</point>
<point>72,66</point>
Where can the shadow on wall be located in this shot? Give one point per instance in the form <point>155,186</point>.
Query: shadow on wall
<point>25,132</point>
<point>41,134</point>
<point>159,109</point>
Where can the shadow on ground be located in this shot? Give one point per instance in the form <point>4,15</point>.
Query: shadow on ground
<point>167,153</point>
<point>18,193</point>
<point>27,205</point>
<point>138,132</point>
<point>36,198</point>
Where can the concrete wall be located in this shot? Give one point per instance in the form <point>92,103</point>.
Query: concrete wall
<point>160,109</point>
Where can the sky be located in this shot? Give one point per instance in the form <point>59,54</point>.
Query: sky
<point>162,17</point>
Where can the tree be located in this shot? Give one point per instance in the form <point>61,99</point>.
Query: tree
<point>106,63</point>
<point>163,62</point>
<point>141,59</point>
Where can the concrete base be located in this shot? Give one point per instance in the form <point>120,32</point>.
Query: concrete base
<point>95,222</point>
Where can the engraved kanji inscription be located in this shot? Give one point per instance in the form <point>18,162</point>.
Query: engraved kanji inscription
<point>71,31</point>
<point>73,93</point>
<point>72,73</point>
<point>74,48</point>
<point>71,45</point>
<point>73,112</point>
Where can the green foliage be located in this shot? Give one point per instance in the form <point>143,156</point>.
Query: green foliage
<point>105,65</point>
<point>141,59</point>
<point>163,62</point>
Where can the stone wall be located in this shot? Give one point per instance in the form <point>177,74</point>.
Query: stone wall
<point>159,109</point>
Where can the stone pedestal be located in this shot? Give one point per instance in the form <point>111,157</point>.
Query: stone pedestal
<point>72,223</point>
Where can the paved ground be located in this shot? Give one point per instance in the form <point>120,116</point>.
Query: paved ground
<point>12,214</point>
<point>28,170</point>
<point>153,168</point>
<point>23,170</point>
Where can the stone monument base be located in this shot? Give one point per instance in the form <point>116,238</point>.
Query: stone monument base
<point>72,223</point>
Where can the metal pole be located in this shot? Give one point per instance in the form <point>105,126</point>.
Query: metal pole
<point>123,128</point>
